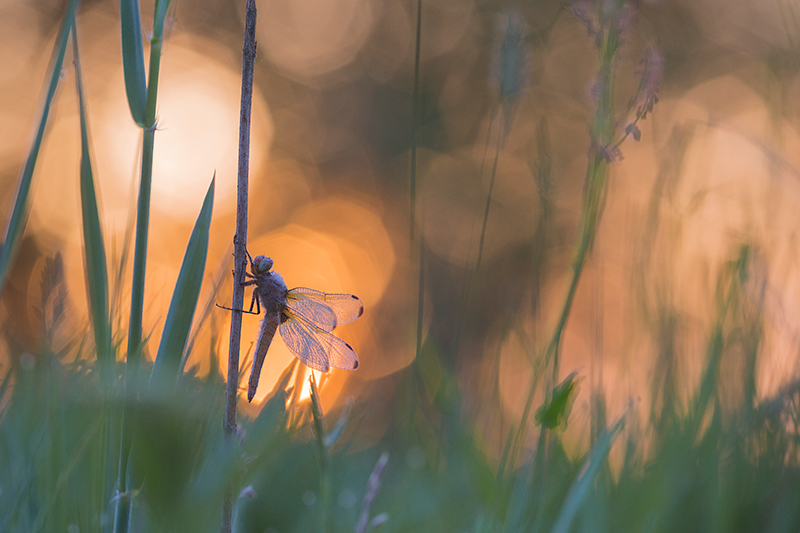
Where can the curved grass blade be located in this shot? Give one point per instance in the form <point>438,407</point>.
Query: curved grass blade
<point>159,16</point>
<point>94,246</point>
<point>580,487</point>
<point>184,299</point>
<point>133,59</point>
<point>16,221</point>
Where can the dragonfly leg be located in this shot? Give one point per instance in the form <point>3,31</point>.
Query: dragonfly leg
<point>249,257</point>
<point>232,309</point>
<point>254,301</point>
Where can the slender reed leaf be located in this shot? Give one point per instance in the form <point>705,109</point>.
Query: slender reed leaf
<point>519,498</point>
<point>94,246</point>
<point>415,119</point>
<point>133,59</point>
<point>324,460</point>
<point>580,487</point>
<point>184,298</point>
<point>160,15</point>
<point>135,343</point>
<point>16,222</point>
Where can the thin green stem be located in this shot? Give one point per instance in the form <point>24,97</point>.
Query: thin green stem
<point>596,179</point>
<point>466,286</point>
<point>414,120</point>
<point>420,295</point>
<point>488,203</point>
<point>134,357</point>
<point>413,171</point>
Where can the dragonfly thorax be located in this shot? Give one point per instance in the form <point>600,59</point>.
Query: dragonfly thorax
<point>271,291</point>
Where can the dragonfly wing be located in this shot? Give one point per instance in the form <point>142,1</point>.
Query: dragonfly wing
<point>313,309</point>
<point>316,347</point>
<point>345,307</point>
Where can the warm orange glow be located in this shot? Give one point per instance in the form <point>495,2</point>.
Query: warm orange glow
<point>330,197</point>
<point>198,132</point>
<point>310,38</point>
<point>453,195</point>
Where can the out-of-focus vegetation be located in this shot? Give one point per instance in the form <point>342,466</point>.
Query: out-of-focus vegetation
<point>572,225</point>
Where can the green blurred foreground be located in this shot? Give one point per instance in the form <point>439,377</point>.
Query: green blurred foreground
<point>701,465</point>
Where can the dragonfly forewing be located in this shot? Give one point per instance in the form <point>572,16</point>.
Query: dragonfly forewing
<point>312,309</point>
<point>308,302</point>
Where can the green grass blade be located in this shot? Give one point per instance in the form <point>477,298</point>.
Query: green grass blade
<point>94,246</point>
<point>322,451</point>
<point>160,14</point>
<point>184,298</point>
<point>133,59</point>
<point>580,487</point>
<point>519,498</point>
<point>16,222</point>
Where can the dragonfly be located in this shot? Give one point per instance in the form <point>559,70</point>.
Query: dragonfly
<point>305,318</point>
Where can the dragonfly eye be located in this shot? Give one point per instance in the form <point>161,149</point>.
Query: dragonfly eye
<point>262,264</point>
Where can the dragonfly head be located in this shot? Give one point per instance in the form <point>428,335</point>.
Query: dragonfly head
<point>262,264</point>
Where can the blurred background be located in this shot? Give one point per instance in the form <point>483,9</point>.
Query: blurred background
<point>715,177</point>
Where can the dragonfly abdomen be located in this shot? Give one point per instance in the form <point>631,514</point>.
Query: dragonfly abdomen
<point>269,325</point>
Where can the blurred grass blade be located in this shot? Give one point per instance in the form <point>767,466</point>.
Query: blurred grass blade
<point>580,487</point>
<point>16,220</point>
<point>133,59</point>
<point>94,247</point>
<point>324,460</point>
<point>332,437</point>
<point>184,298</point>
<point>160,14</point>
<point>519,498</point>
<point>207,311</point>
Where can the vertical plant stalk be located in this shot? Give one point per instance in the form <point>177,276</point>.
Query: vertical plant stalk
<point>134,356</point>
<point>240,245</point>
<point>500,143</point>
<point>414,120</point>
<point>466,285</point>
<point>413,171</point>
<point>602,132</point>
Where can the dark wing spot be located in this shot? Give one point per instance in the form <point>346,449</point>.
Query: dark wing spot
<point>360,311</point>
<point>355,365</point>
